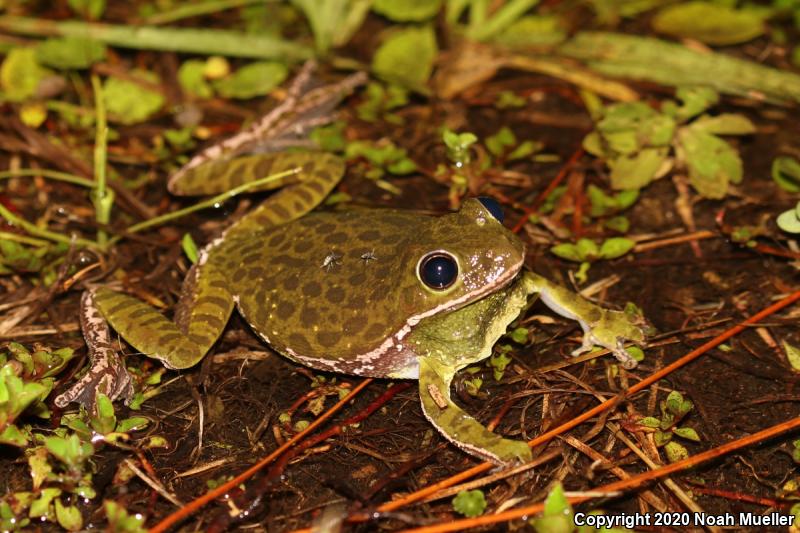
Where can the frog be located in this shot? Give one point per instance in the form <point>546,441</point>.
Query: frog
<point>379,293</point>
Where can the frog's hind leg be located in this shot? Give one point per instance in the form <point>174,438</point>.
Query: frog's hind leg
<point>200,317</point>
<point>458,426</point>
<point>317,173</point>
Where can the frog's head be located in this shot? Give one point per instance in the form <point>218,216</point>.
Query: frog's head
<point>460,258</point>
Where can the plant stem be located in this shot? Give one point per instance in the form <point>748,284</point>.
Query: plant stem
<point>206,203</point>
<point>43,233</point>
<point>102,198</point>
<point>186,40</point>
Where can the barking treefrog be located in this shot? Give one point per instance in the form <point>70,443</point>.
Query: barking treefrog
<point>369,292</point>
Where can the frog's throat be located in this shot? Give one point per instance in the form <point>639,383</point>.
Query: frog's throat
<point>393,358</point>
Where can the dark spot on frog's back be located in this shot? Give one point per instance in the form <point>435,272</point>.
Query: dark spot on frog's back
<point>326,228</point>
<point>238,275</point>
<point>284,310</point>
<point>328,338</point>
<point>291,282</point>
<point>312,289</point>
<point>309,316</point>
<point>377,330</point>
<point>335,295</point>
<point>303,246</point>
<point>276,239</point>
<point>299,343</point>
<point>357,279</point>
<point>355,302</point>
<point>369,235</point>
<point>337,238</point>
<point>354,325</point>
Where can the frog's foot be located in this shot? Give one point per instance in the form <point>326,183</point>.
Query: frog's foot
<point>456,425</point>
<point>601,327</point>
<point>107,374</point>
<point>611,331</point>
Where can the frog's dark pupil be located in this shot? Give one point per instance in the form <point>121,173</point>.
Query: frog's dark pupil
<point>438,270</point>
<point>493,206</point>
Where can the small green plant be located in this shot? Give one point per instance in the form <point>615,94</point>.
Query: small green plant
<point>789,221</point>
<point>380,100</point>
<point>586,251</point>
<point>383,156</point>
<point>558,517</point>
<point>673,410</point>
<point>500,360</point>
<point>469,503</point>
<point>640,144</point>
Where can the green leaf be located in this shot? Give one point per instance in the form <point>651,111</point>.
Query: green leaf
<point>104,421</point>
<point>469,503</point>
<point>333,22</point>
<point>13,436</point>
<point>792,355</point>
<point>687,433</point>
<point>519,335</point>
<point>119,521</point>
<point>587,249</point>
<point>40,507</point>
<point>649,421</point>
<point>532,31</point>
<point>255,79</point>
<point>407,10</point>
<point>69,517</point>
<point>712,162</point>
<point>567,251</point>
<point>189,248</point>
<point>70,52</point>
<point>674,402</point>
<point>711,23</point>
<point>557,516</point>
<point>789,221</point>
<point>786,173</point>
<point>499,361</point>
<point>616,247</point>
<point>192,79</point>
<point>130,102</point>
<point>695,100</point>
<point>637,171</point>
<point>406,57</point>
<point>92,9</point>
<point>725,124</point>
<point>619,224</point>
<point>675,452</point>
<point>500,141</point>
<point>21,75</point>
<point>662,437</point>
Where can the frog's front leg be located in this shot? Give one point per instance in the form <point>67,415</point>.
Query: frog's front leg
<point>455,424</point>
<point>601,327</point>
<point>201,315</point>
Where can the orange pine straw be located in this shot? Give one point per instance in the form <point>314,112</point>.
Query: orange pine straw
<point>617,486</point>
<point>545,437</point>
<point>222,489</point>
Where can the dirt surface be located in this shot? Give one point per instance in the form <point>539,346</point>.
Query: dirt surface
<point>689,292</point>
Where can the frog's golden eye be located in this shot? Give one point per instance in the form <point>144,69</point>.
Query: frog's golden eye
<point>493,206</point>
<point>438,270</point>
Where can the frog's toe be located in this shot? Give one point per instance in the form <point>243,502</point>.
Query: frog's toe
<point>513,451</point>
<point>107,376</point>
